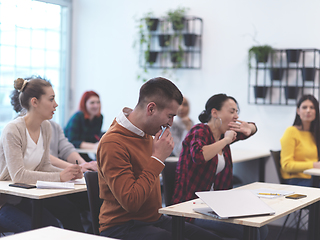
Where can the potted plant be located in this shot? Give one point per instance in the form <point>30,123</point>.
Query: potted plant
<point>293,55</point>
<point>152,23</point>
<point>151,56</point>
<point>276,74</point>
<point>260,91</point>
<point>260,52</point>
<point>308,73</point>
<point>189,39</point>
<point>164,40</point>
<point>291,92</point>
<point>177,58</point>
<point>176,17</point>
<point>147,56</point>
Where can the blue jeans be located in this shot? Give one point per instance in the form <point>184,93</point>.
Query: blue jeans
<point>158,230</point>
<point>299,182</point>
<point>66,211</point>
<point>17,219</point>
<point>229,229</point>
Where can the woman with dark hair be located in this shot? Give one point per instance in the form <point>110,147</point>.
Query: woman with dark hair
<point>205,161</point>
<point>300,143</point>
<point>24,158</point>
<point>84,128</point>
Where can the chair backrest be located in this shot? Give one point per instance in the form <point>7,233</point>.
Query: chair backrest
<point>94,200</point>
<point>168,178</point>
<point>276,158</point>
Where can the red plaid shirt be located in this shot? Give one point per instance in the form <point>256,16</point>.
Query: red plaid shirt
<point>193,173</point>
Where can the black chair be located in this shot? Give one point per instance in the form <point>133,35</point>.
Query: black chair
<point>94,200</point>
<point>276,159</point>
<point>168,182</point>
<point>4,232</point>
<point>168,178</point>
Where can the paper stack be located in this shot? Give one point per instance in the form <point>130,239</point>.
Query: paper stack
<point>270,193</point>
<point>78,181</point>
<point>50,185</point>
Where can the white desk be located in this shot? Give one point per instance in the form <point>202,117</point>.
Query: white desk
<point>36,195</point>
<point>53,233</point>
<point>313,172</point>
<point>238,155</point>
<point>242,155</point>
<point>315,175</point>
<point>281,205</point>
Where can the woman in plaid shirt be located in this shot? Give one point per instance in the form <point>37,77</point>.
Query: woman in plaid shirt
<point>205,161</point>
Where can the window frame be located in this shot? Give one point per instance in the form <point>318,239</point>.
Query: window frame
<point>64,61</point>
<point>67,91</point>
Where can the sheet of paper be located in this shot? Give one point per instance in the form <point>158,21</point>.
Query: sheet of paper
<point>54,185</point>
<point>78,181</point>
<point>270,193</point>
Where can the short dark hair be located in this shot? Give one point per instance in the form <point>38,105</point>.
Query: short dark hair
<point>315,124</point>
<point>25,89</point>
<point>161,91</point>
<point>216,102</point>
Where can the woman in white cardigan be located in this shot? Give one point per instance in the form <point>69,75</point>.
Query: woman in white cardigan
<point>24,158</point>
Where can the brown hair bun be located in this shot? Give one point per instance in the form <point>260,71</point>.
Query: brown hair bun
<point>18,83</point>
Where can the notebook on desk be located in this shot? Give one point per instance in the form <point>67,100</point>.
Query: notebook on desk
<point>232,203</point>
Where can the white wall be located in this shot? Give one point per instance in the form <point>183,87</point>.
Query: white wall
<point>103,58</point>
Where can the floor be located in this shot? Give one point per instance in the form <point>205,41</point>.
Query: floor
<point>288,233</point>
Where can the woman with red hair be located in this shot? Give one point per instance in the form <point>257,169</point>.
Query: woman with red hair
<point>84,127</point>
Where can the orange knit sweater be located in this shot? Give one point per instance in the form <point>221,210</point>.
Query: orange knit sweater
<point>128,178</point>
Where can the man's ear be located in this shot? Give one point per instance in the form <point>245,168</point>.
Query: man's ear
<point>151,107</point>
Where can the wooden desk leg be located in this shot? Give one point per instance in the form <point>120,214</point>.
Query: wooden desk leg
<point>177,228</point>
<point>250,233</point>
<point>37,206</point>
<point>262,164</point>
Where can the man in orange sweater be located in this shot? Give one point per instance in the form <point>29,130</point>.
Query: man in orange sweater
<point>129,163</point>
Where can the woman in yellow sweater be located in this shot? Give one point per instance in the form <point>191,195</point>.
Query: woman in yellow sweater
<point>300,144</point>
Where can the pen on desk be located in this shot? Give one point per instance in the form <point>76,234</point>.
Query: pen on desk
<point>274,194</point>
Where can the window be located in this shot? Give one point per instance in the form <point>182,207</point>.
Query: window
<point>34,40</point>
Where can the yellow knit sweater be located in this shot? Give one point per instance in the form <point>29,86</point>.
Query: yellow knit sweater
<point>298,153</point>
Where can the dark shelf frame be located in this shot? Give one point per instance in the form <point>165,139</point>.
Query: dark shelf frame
<point>192,58</point>
<point>278,60</point>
